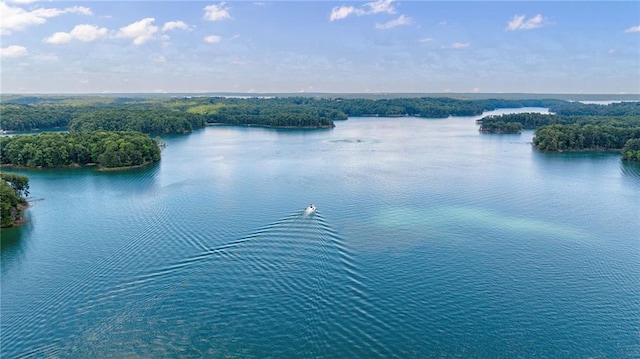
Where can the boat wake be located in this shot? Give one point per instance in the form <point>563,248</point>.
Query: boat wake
<point>295,276</point>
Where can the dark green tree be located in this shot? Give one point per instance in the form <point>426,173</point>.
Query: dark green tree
<point>13,190</point>
<point>631,150</point>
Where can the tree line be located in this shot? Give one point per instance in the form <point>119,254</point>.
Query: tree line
<point>105,149</point>
<point>578,127</point>
<point>151,121</point>
<point>13,190</point>
<point>17,117</point>
<point>588,137</point>
<point>276,116</point>
<point>631,150</point>
<point>535,120</point>
<point>145,118</point>
<point>182,115</point>
<point>631,108</point>
<point>501,127</point>
<point>341,108</point>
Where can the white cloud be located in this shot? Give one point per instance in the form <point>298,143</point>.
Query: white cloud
<point>80,32</point>
<point>341,12</point>
<point>460,45</point>
<point>376,7</point>
<point>172,25</point>
<point>13,51</point>
<point>400,20</point>
<point>381,6</point>
<point>53,12</point>
<point>58,38</point>
<point>140,31</point>
<point>160,59</point>
<point>216,12</point>
<point>88,32</point>
<point>212,39</point>
<point>79,10</point>
<point>13,18</point>
<point>426,39</point>
<point>518,22</point>
<point>633,29</point>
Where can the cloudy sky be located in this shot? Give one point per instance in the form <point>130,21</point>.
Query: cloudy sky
<point>320,46</point>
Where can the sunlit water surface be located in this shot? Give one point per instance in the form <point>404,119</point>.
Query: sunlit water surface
<point>430,240</point>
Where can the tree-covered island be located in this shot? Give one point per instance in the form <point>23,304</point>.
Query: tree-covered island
<point>574,126</point>
<point>105,149</point>
<point>13,192</point>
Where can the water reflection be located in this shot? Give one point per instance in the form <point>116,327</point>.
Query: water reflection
<point>13,245</point>
<point>141,179</point>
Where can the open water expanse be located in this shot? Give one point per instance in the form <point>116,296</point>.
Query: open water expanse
<point>430,240</point>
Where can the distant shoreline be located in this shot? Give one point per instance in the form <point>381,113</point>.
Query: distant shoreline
<point>350,95</point>
<point>582,150</point>
<point>76,165</point>
<point>267,126</point>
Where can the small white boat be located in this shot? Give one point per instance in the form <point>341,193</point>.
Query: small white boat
<point>310,210</point>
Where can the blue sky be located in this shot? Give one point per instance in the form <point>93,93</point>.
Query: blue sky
<point>320,46</point>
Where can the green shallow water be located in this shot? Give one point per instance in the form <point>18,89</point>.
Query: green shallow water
<point>430,240</point>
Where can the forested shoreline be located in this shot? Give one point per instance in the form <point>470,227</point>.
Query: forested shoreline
<point>574,125</point>
<point>580,138</point>
<point>146,119</point>
<point>577,127</point>
<point>13,192</point>
<point>185,114</point>
<point>104,149</point>
<point>179,115</point>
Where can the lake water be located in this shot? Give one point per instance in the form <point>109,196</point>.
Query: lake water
<point>430,240</point>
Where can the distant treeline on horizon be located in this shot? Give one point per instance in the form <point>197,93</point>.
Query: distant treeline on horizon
<point>349,95</point>
<point>180,115</point>
<point>169,115</point>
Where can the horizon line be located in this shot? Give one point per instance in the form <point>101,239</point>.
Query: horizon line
<point>319,93</point>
